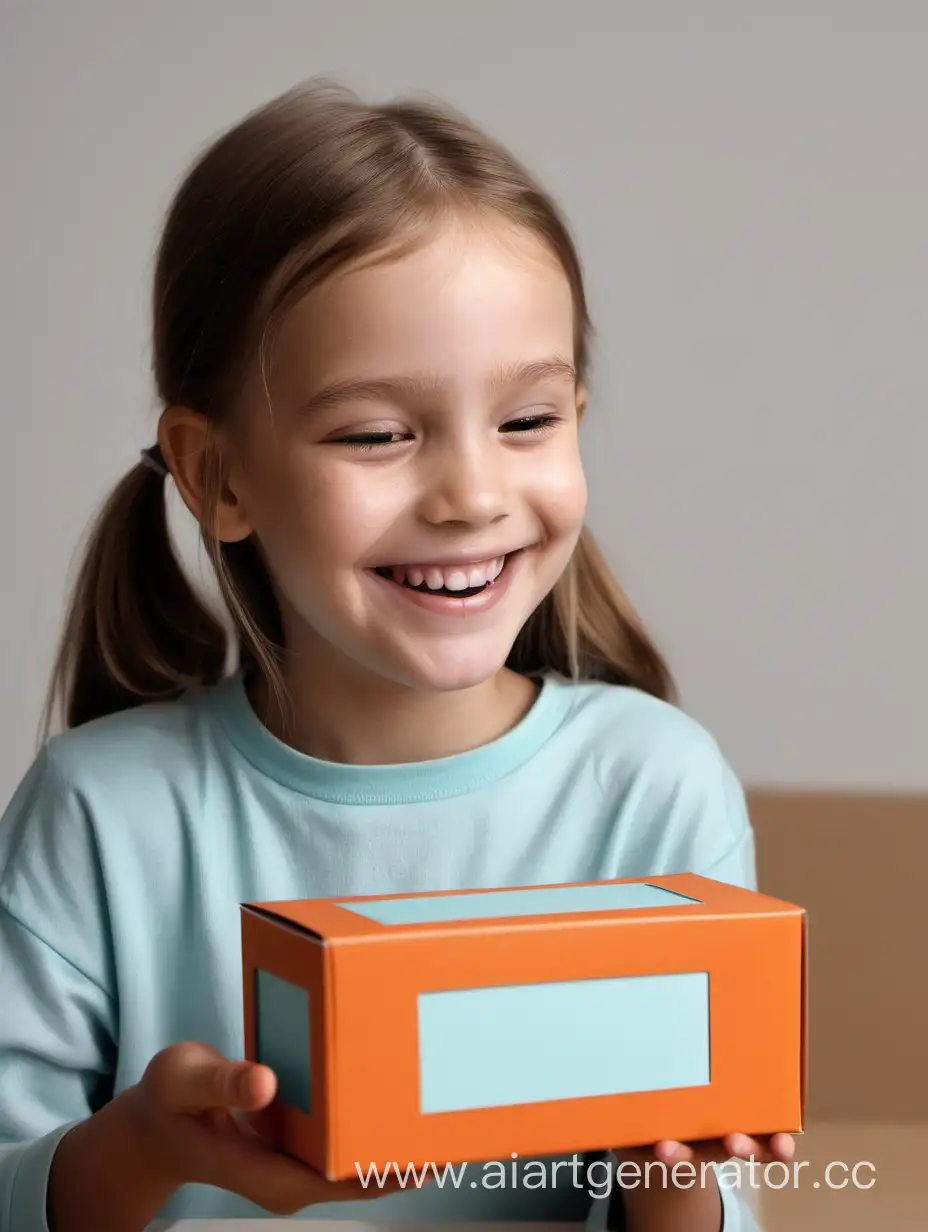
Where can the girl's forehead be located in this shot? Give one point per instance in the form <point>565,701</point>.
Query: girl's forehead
<point>467,265</point>
<point>455,303</point>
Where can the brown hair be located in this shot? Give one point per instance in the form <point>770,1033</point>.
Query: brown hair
<point>302,185</point>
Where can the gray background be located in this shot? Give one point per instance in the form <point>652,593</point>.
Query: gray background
<point>749,187</point>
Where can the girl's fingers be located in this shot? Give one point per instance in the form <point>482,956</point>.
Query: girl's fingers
<point>743,1146</point>
<point>783,1147</point>
<point>670,1152</point>
<point>276,1182</point>
<point>733,1146</point>
<point>779,1147</point>
<point>194,1077</point>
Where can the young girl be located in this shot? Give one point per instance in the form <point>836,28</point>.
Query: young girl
<point>371,344</point>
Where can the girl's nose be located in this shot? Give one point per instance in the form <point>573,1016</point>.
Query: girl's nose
<point>466,487</point>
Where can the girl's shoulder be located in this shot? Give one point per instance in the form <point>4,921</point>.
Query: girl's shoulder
<point>629,725</point>
<point>133,748</point>
<point>98,818</point>
<point>113,774</point>
<point>659,772</point>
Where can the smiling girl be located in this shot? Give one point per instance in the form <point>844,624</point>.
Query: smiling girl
<point>371,348</point>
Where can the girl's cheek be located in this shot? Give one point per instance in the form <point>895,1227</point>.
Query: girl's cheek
<point>561,496</point>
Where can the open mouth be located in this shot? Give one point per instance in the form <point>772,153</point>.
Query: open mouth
<point>451,581</point>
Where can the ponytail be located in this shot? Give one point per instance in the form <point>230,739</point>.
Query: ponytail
<point>135,631</point>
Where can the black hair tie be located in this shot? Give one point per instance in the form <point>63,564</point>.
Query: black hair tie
<point>153,458</point>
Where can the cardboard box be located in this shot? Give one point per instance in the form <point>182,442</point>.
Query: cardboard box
<point>475,1025</point>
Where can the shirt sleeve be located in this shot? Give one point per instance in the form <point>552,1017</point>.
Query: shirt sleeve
<point>57,1026</point>
<point>699,815</point>
<point>737,862</point>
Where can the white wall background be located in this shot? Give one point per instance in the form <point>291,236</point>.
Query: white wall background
<point>749,185</point>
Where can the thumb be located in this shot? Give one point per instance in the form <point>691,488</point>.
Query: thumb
<point>192,1077</point>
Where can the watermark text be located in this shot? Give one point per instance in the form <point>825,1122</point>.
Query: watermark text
<point>600,1176</point>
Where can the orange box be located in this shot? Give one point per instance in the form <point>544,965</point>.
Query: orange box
<point>470,1025</point>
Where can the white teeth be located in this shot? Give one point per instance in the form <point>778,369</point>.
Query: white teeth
<point>452,578</point>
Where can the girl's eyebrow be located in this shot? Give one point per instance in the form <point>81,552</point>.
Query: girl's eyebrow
<point>422,387</point>
<point>553,368</point>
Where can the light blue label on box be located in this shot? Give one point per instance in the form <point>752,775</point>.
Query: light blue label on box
<point>545,900</point>
<point>491,1047</point>
<point>282,1037</point>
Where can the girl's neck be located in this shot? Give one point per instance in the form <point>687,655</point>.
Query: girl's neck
<point>353,718</point>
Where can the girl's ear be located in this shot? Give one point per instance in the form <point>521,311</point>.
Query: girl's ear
<point>186,444</point>
<point>581,402</point>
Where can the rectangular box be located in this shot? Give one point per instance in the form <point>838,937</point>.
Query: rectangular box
<point>467,1025</point>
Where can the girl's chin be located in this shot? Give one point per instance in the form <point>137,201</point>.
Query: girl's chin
<point>447,669</point>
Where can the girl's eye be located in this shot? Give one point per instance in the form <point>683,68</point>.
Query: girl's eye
<point>523,426</point>
<point>531,423</point>
<point>369,440</point>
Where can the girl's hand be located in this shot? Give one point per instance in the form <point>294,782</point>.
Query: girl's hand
<point>687,1200</point>
<point>775,1147</point>
<point>184,1109</point>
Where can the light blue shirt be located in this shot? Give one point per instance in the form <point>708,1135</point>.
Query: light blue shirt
<point>131,841</point>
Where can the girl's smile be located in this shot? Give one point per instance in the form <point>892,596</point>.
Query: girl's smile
<point>459,589</point>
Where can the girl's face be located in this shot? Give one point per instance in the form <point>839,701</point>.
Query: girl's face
<point>416,482</point>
